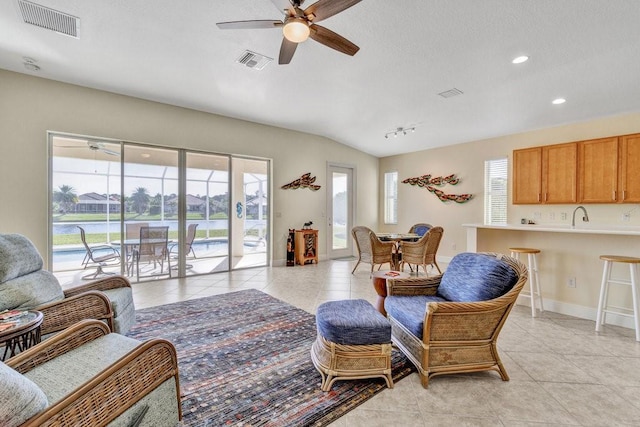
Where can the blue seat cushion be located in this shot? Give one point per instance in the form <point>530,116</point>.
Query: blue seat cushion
<point>352,322</point>
<point>410,310</point>
<point>421,230</point>
<point>476,277</point>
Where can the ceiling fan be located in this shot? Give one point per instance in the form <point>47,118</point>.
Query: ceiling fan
<point>93,146</point>
<point>298,25</point>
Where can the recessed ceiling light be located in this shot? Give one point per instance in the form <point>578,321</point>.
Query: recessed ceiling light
<point>520,59</point>
<point>558,101</point>
<point>145,155</point>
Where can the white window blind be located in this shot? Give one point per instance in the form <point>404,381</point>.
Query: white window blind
<point>391,197</point>
<point>495,191</point>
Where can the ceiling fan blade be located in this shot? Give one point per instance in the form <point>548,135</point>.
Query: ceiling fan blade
<point>284,6</point>
<point>287,50</point>
<point>335,41</point>
<point>249,25</point>
<point>324,9</point>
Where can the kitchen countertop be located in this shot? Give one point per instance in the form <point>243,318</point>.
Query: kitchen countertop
<point>581,228</point>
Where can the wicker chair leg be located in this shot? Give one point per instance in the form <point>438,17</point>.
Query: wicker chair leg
<point>354,268</point>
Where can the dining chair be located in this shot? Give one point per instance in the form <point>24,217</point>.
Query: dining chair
<point>371,249</point>
<point>153,247</point>
<point>423,252</point>
<point>98,255</point>
<point>420,228</point>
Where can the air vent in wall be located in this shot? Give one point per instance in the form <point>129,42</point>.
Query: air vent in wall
<point>451,92</point>
<point>50,19</point>
<point>253,60</point>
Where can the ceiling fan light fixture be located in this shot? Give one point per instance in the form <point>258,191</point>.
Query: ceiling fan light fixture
<point>296,30</point>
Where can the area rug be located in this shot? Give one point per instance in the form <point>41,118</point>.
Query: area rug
<point>244,360</point>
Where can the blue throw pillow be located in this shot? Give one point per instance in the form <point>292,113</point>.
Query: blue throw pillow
<point>476,277</point>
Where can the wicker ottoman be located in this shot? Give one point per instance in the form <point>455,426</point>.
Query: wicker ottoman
<point>354,341</point>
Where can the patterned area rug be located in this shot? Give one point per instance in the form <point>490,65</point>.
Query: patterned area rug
<point>244,360</point>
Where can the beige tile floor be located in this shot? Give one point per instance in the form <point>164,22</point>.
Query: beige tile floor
<point>562,372</point>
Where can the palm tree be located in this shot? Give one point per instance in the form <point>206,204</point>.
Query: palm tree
<point>65,197</point>
<point>140,199</point>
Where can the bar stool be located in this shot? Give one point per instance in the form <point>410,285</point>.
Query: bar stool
<point>603,308</point>
<point>535,291</point>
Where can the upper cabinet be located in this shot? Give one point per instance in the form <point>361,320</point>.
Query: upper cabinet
<point>545,174</point>
<point>559,167</point>
<point>596,171</point>
<point>630,168</point>
<point>527,173</point>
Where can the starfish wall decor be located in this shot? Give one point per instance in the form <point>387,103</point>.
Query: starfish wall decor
<point>428,182</point>
<point>305,181</point>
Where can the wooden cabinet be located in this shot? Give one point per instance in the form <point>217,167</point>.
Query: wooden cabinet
<point>559,173</point>
<point>527,174</point>
<point>604,170</point>
<point>306,246</point>
<point>598,171</point>
<point>545,174</point>
<point>629,182</point>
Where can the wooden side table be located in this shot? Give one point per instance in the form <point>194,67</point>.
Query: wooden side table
<point>380,285</point>
<point>24,333</point>
<point>306,246</point>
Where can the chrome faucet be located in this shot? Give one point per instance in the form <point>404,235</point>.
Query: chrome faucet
<point>585,218</point>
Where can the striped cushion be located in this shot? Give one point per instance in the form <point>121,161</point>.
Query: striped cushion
<point>353,322</point>
<point>476,277</point>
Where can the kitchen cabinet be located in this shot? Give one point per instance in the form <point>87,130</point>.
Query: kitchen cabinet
<point>559,173</point>
<point>545,174</point>
<point>629,183</point>
<point>527,174</point>
<point>598,171</point>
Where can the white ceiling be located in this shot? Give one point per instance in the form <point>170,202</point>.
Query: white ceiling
<point>587,51</point>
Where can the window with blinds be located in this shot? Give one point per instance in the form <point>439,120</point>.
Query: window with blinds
<point>391,197</point>
<point>495,191</point>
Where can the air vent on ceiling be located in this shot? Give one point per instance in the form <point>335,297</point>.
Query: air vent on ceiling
<point>50,19</point>
<point>451,92</point>
<point>253,60</point>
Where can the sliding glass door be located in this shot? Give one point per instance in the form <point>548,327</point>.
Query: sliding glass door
<point>215,209</point>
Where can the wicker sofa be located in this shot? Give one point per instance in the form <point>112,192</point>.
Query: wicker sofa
<point>450,323</point>
<point>87,376</point>
<point>25,285</point>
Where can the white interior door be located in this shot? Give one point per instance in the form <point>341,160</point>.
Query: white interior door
<point>340,210</point>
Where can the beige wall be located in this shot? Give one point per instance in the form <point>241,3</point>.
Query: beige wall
<point>562,256</point>
<point>29,107</point>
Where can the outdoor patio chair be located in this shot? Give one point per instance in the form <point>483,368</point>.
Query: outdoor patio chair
<point>188,243</point>
<point>153,248</point>
<point>371,249</point>
<point>88,376</point>
<point>24,285</point>
<point>98,256</point>
<point>450,323</point>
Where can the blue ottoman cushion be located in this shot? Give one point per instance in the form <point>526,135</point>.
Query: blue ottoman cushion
<point>410,310</point>
<point>476,277</point>
<point>352,322</point>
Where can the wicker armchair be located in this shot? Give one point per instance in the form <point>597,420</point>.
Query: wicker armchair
<point>371,249</point>
<point>450,323</point>
<point>25,285</point>
<point>420,228</point>
<point>88,376</point>
<point>423,252</point>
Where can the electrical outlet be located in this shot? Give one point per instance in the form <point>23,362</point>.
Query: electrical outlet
<point>571,282</point>
<point>537,215</point>
<point>454,246</point>
<point>626,216</point>
<point>552,216</point>
<point>563,216</point>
